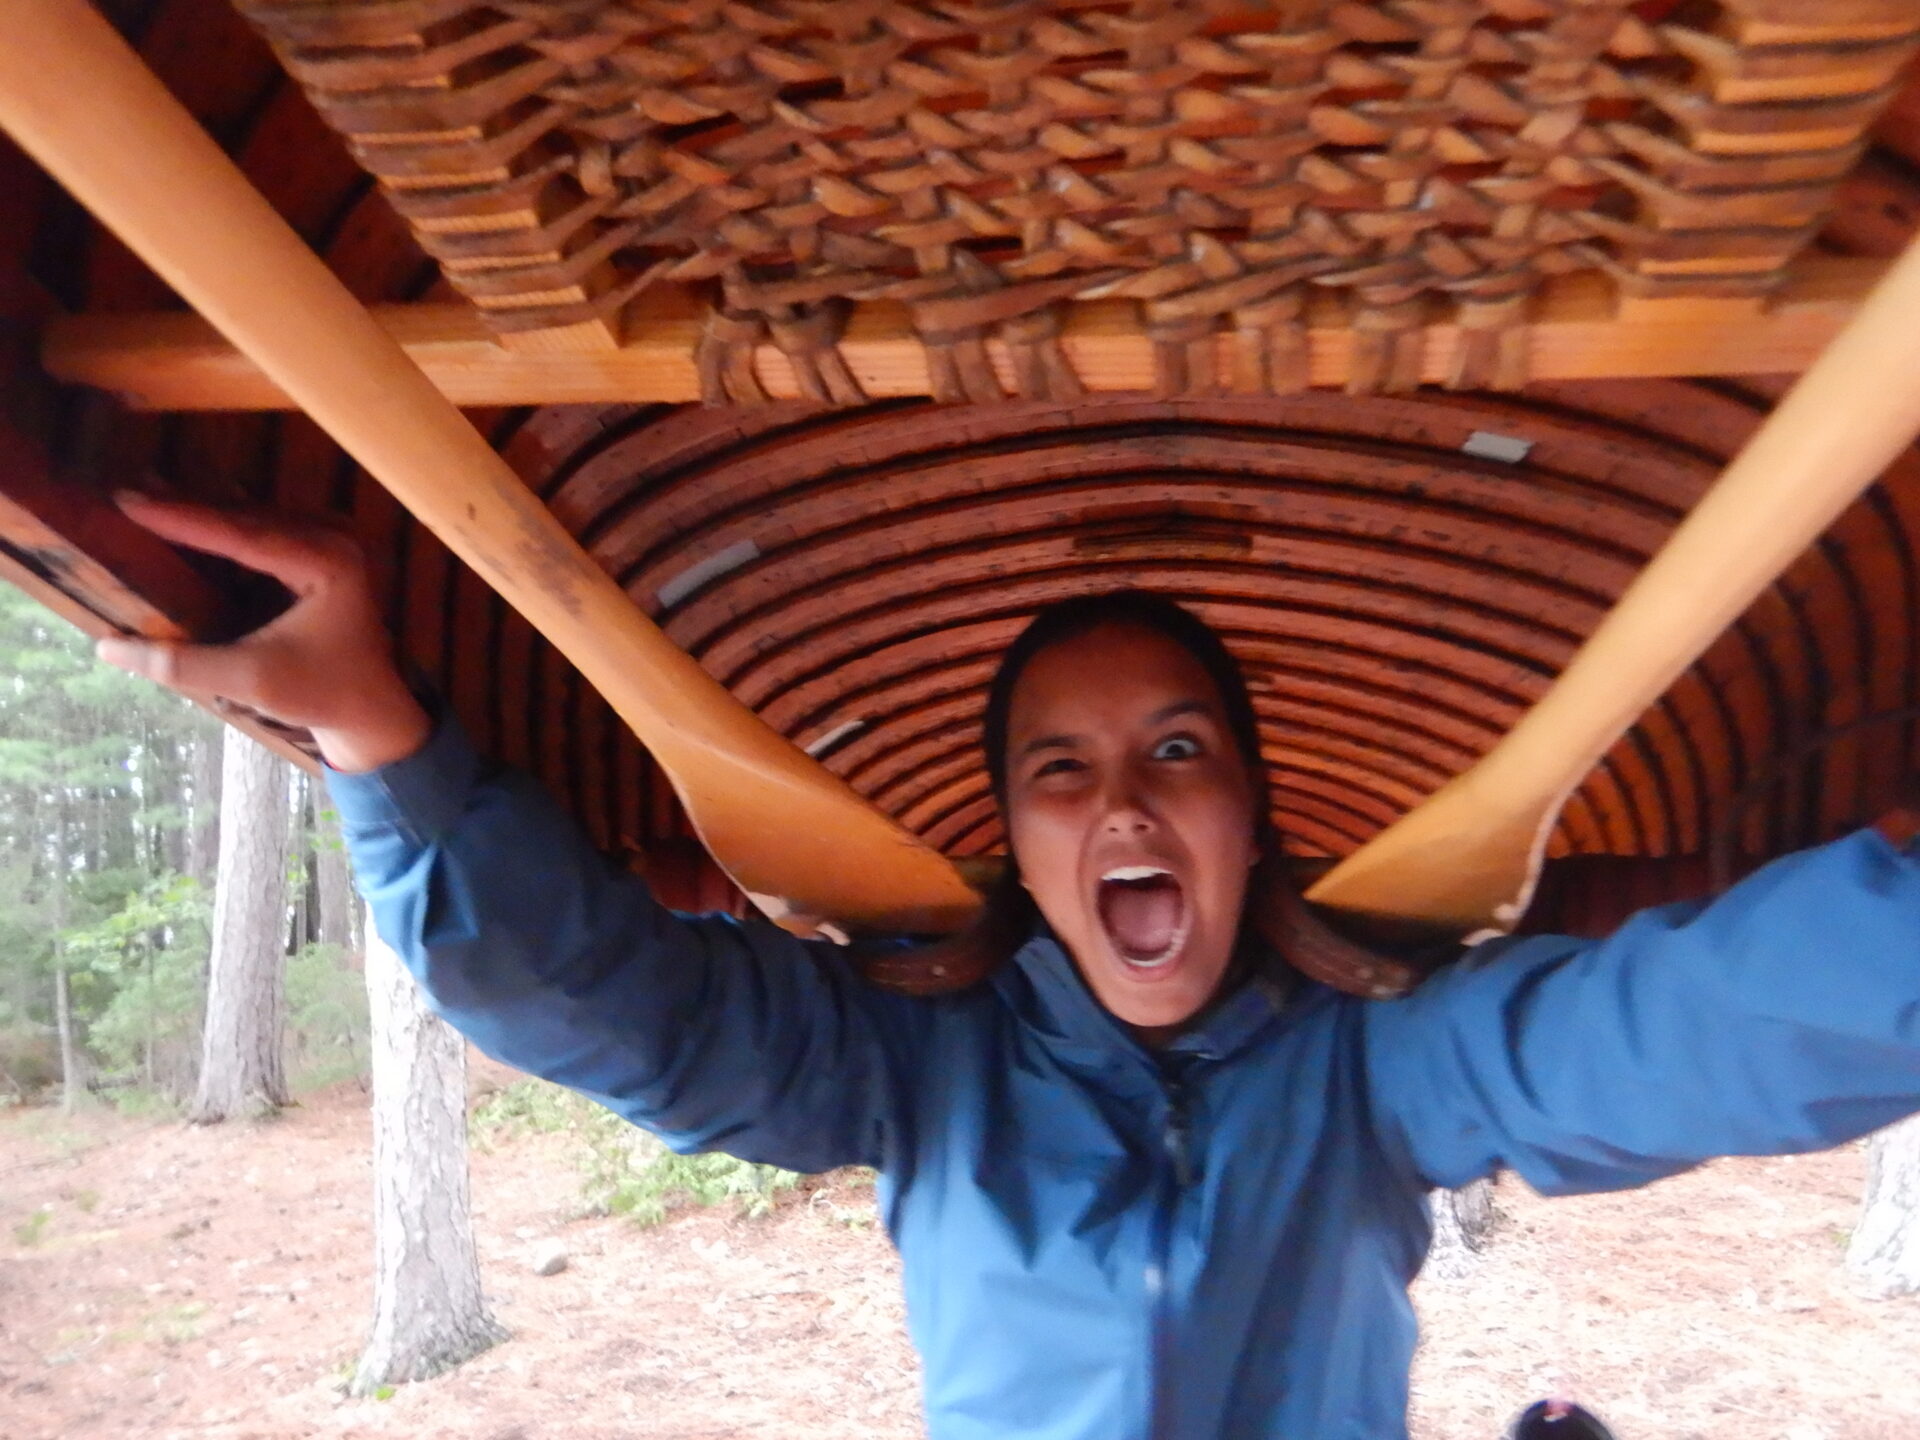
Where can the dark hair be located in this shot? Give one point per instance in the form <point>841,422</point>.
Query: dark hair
<point>1009,914</point>
<point>1143,610</point>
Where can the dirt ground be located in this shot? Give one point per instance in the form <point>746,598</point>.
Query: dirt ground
<point>214,1284</point>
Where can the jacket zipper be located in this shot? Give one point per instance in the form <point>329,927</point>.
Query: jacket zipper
<point>1177,1175</point>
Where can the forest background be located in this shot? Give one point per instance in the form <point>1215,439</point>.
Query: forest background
<point>109,799</point>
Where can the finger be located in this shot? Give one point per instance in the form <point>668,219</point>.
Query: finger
<point>190,669</point>
<point>297,555</point>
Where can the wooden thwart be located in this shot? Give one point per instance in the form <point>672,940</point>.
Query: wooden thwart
<point>1469,856</point>
<point>1580,331</point>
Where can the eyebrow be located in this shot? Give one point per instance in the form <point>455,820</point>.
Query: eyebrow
<point>1048,742</point>
<point>1159,717</point>
<point>1179,708</point>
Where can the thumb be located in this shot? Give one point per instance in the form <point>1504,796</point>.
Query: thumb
<point>205,669</point>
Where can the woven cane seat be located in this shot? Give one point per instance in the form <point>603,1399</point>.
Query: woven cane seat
<point>1229,168</point>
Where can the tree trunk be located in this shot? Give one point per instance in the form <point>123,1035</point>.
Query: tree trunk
<point>241,1069</point>
<point>173,772</point>
<point>1463,1221</point>
<point>72,1081</point>
<point>1884,1254</point>
<point>428,1311</point>
<point>152,1006</point>
<point>338,909</point>
<point>203,825</point>
<point>303,901</point>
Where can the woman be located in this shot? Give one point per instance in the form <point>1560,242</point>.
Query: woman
<point>1144,1179</point>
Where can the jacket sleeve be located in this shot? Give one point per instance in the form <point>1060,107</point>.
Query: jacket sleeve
<point>1782,1017</point>
<point>711,1032</point>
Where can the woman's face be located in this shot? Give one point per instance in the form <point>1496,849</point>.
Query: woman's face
<point>1130,812</point>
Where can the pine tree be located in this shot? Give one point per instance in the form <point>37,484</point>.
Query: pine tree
<point>91,798</point>
<point>428,1311</point>
<point>339,911</point>
<point>242,1069</point>
<point>1884,1253</point>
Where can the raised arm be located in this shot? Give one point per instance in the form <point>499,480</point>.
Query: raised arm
<point>713,1032</point>
<point>1782,1017</point>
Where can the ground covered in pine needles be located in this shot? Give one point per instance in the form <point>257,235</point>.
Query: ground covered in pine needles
<point>157,1281</point>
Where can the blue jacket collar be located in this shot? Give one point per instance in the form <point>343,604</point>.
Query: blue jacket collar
<point>1045,989</point>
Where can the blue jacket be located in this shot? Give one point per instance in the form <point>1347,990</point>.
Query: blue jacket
<point>1101,1242</point>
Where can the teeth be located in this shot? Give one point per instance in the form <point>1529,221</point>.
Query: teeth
<point>1134,872</point>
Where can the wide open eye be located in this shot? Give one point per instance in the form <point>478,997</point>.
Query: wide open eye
<point>1177,747</point>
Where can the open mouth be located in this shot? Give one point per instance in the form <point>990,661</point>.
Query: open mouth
<point>1144,912</point>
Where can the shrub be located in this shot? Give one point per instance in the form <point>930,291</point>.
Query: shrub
<point>631,1173</point>
<point>160,1005</point>
<point>625,1170</point>
<point>33,1229</point>
<point>326,1018</point>
<point>142,961</point>
<point>29,1059</point>
<point>530,1107</point>
<point>136,1102</point>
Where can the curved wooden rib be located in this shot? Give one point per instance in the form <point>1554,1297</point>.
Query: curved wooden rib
<point>81,103</point>
<point>1468,857</point>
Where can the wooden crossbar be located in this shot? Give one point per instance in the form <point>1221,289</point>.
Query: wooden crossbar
<point>1580,329</point>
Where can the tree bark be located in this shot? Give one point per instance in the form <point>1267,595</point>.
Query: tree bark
<point>1463,1222</point>
<point>429,1314</point>
<point>72,1080</point>
<point>241,1067</point>
<point>203,825</point>
<point>146,961</point>
<point>1884,1254</point>
<point>338,907</point>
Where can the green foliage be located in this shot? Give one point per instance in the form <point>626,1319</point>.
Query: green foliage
<point>175,1324</point>
<point>530,1107</point>
<point>630,1173</point>
<point>95,795</point>
<point>92,766</point>
<point>624,1170</point>
<point>29,1060</point>
<point>158,1009</point>
<point>146,957</point>
<point>33,1229</point>
<point>73,729</point>
<point>137,1102</point>
<point>26,940</point>
<point>326,1017</point>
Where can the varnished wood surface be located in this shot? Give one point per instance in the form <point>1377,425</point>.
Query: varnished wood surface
<point>140,161</point>
<point>1223,168</point>
<point>1834,641</point>
<point>1398,604</point>
<point>163,361</point>
<point>1469,856</point>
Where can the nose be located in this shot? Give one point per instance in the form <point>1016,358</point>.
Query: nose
<point>1126,812</point>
